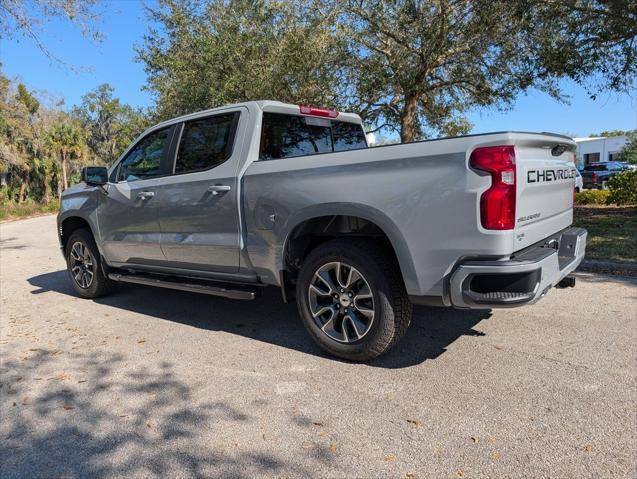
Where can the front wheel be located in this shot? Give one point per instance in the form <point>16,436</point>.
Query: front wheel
<point>352,299</point>
<point>84,267</point>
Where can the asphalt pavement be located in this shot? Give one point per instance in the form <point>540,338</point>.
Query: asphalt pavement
<point>157,383</point>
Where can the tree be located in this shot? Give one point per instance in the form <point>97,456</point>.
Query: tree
<point>412,66</point>
<point>628,153</point>
<point>110,125</point>
<point>28,19</point>
<point>428,63</point>
<point>65,140</point>
<point>593,42</point>
<point>18,133</point>
<point>204,54</point>
<point>615,133</point>
<point>424,64</point>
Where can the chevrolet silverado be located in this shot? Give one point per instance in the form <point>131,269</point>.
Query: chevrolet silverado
<point>233,199</point>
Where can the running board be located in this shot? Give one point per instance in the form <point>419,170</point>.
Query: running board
<point>184,286</point>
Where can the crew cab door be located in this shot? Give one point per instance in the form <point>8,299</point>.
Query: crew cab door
<point>127,215</point>
<point>199,217</point>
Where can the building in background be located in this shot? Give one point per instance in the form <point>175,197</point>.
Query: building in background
<point>599,148</point>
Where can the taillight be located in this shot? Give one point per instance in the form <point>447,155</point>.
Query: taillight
<point>497,204</point>
<point>312,110</point>
<point>594,177</point>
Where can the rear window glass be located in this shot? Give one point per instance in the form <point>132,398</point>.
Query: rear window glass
<point>286,136</point>
<point>595,168</point>
<point>206,143</point>
<point>348,136</point>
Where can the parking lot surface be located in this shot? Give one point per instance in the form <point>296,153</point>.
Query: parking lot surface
<point>158,383</point>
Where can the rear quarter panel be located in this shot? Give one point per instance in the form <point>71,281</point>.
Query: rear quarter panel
<point>422,195</point>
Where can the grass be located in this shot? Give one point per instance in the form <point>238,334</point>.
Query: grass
<point>612,231</point>
<point>12,210</point>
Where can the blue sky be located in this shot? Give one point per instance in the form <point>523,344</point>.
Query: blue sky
<point>124,24</point>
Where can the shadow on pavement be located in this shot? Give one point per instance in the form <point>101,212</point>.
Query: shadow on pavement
<point>268,319</point>
<point>103,417</point>
<point>604,278</point>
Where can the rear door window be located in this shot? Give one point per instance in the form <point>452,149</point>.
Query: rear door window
<point>287,136</point>
<point>206,143</point>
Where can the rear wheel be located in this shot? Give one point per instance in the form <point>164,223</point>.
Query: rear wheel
<point>84,266</point>
<point>352,300</point>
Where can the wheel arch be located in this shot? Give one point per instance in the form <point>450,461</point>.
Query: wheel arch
<point>328,221</point>
<point>70,224</point>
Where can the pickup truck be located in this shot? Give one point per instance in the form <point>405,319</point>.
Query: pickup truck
<point>596,175</point>
<point>233,199</point>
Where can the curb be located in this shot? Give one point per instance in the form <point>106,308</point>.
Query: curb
<point>608,267</point>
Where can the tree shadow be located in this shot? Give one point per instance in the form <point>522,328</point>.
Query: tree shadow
<point>4,246</point>
<point>268,319</point>
<point>100,417</point>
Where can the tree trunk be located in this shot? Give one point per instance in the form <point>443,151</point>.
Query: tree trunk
<point>22,195</point>
<point>409,120</point>
<point>65,181</point>
<point>47,188</point>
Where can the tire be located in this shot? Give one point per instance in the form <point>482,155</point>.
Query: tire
<point>380,289</point>
<point>81,252</point>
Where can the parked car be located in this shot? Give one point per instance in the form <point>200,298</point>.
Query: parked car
<point>230,200</point>
<point>579,182</point>
<point>596,175</point>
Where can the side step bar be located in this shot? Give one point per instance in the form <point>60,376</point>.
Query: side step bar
<point>184,286</point>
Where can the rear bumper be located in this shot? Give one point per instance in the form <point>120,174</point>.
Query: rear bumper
<point>522,279</point>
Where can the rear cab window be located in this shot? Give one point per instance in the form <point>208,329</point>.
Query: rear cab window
<point>289,136</point>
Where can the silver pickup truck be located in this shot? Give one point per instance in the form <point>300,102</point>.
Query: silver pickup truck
<point>230,200</point>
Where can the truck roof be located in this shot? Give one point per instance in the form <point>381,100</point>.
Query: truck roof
<point>271,106</point>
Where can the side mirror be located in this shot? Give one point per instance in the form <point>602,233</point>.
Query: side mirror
<point>95,175</point>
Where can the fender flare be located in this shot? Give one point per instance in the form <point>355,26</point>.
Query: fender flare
<point>373,215</point>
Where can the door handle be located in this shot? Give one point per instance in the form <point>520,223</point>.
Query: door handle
<point>216,189</point>
<point>144,195</point>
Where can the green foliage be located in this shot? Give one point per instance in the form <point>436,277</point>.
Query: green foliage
<point>42,149</point>
<point>211,53</point>
<point>628,153</point>
<point>110,125</point>
<point>609,133</point>
<point>11,210</point>
<point>27,99</point>
<point>623,188</point>
<point>412,67</point>
<point>592,197</point>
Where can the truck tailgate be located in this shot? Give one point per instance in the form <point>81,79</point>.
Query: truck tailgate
<point>546,175</point>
